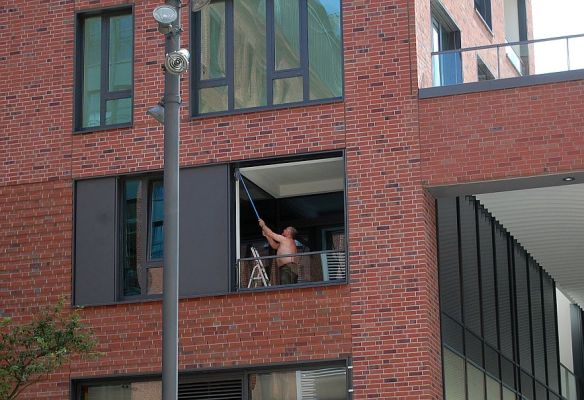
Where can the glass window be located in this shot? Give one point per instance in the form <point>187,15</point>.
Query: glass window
<point>122,391</point>
<point>276,52</point>
<point>322,383</point>
<point>484,9</point>
<point>447,67</point>
<point>105,70</point>
<point>143,236</point>
<point>454,379</point>
<point>324,49</point>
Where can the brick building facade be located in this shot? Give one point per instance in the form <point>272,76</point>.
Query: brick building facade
<point>377,327</point>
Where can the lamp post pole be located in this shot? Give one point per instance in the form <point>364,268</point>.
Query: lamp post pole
<point>172,102</point>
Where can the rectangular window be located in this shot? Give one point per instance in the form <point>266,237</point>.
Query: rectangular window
<point>324,382</point>
<point>121,391</point>
<point>320,383</point>
<point>484,9</point>
<point>142,236</point>
<point>446,67</point>
<point>104,70</point>
<point>260,53</point>
<point>303,206</point>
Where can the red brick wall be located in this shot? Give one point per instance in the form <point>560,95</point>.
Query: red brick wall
<point>502,134</point>
<point>386,319</point>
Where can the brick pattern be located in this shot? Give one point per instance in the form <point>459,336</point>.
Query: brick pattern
<point>387,318</point>
<point>501,134</point>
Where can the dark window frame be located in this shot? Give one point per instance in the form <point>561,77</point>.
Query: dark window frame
<point>214,375</point>
<point>271,72</point>
<point>283,160</point>
<point>105,94</point>
<point>483,7</point>
<point>146,187</point>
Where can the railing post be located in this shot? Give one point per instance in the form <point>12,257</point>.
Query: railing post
<point>568,51</point>
<point>498,62</point>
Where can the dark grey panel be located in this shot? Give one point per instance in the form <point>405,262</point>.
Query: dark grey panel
<point>551,333</point>
<point>95,241</point>
<point>470,265</point>
<point>489,294</point>
<point>522,302</point>
<point>504,293</point>
<point>204,230</point>
<point>448,258</point>
<point>539,360</point>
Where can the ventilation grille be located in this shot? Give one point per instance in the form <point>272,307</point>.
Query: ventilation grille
<point>216,390</point>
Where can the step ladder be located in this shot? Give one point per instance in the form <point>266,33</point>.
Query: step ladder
<point>258,276</point>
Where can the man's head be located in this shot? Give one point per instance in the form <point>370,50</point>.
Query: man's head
<point>290,232</point>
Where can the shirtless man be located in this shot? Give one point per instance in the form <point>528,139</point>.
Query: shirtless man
<point>283,244</point>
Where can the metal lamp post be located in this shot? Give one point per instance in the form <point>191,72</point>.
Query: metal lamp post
<point>176,62</point>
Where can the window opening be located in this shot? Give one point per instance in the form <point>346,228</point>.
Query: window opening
<point>446,68</point>
<point>302,204</point>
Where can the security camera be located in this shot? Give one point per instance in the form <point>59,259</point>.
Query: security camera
<point>177,62</point>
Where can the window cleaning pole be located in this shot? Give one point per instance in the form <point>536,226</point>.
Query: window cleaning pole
<point>238,176</point>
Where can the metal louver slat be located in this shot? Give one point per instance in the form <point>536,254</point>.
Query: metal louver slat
<point>213,390</point>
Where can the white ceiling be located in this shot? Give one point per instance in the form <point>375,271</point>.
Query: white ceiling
<point>549,223</point>
<point>298,178</point>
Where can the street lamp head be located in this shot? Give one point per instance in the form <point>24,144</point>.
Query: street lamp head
<point>177,62</point>
<point>197,5</point>
<point>157,112</point>
<point>166,16</point>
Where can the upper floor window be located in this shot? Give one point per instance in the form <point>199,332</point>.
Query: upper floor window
<point>261,53</point>
<point>484,9</point>
<point>104,70</point>
<point>446,67</point>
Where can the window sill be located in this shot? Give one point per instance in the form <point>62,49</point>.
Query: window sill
<point>269,108</point>
<point>84,131</point>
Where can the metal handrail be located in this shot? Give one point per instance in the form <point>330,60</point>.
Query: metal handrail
<point>308,253</point>
<point>498,45</point>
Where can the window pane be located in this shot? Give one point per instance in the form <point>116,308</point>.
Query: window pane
<point>454,381</point>
<point>250,53</point>
<point>323,383</point>
<point>132,267</point>
<point>157,222</point>
<point>325,49</point>
<point>493,389</point>
<point>213,99</point>
<point>508,394</point>
<point>118,111</point>
<point>288,90</point>
<point>126,391</point>
<point>213,41</point>
<point>91,71</point>
<point>287,34</point>
<point>120,53</point>
<point>476,383</point>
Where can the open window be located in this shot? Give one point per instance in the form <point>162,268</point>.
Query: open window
<point>308,195</point>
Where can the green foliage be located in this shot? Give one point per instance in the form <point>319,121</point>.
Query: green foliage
<point>30,351</point>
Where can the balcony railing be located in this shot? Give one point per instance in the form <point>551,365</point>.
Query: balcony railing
<point>304,268</point>
<point>507,60</point>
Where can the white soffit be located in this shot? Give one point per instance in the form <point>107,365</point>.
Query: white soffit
<point>549,223</point>
<point>299,177</point>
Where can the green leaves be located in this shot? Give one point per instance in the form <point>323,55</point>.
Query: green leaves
<point>30,351</point>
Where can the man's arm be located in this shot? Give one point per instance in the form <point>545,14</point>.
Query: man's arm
<point>273,244</point>
<point>269,234</point>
